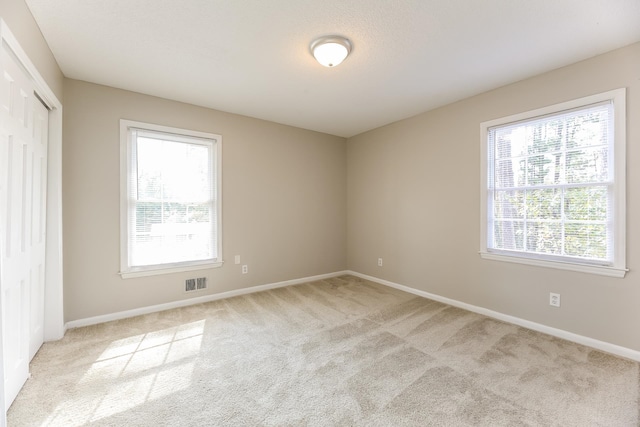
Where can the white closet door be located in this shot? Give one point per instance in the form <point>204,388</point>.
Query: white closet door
<point>23,149</point>
<point>38,225</point>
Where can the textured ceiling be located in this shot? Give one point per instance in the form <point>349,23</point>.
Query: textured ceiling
<point>251,57</point>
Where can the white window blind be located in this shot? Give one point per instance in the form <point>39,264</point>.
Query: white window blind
<point>171,199</point>
<point>552,192</point>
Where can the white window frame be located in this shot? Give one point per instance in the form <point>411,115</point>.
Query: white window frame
<point>126,170</point>
<point>618,268</point>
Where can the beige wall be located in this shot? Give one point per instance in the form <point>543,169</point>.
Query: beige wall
<point>284,201</point>
<point>414,200</point>
<point>21,23</point>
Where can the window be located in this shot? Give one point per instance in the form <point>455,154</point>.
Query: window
<point>170,199</point>
<point>553,186</point>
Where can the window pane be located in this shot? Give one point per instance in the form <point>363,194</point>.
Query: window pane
<point>510,173</point>
<point>509,204</point>
<point>172,232</point>
<point>544,237</point>
<point>588,165</point>
<point>588,130</point>
<point>504,174</point>
<point>509,143</point>
<point>545,169</point>
<point>509,235</point>
<point>169,170</point>
<point>544,137</point>
<point>586,241</point>
<point>586,203</point>
<point>544,203</point>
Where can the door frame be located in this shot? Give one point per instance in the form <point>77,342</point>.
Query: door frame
<point>53,305</point>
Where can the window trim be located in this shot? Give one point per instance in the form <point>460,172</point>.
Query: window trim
<point>126,271</point>
<point>618,269</point>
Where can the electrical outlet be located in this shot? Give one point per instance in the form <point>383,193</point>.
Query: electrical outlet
<point>379,262</point>
<point>554,299</point>
<point>245,269</point>
<point>237,259</point>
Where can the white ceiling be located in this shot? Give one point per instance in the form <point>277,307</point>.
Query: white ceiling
<point>251,57</point>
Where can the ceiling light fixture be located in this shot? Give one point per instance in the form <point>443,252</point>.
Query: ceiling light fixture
<point>330,50</point>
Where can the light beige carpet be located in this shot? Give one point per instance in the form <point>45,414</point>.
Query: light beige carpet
<point>336,352</point>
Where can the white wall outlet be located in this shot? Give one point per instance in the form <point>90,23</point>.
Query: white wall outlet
<point>554,299</point>
<point>237,260</point>
<point>379,262</point>
<point>245,269</point>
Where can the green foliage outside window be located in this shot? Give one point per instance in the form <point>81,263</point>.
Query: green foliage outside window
<point>551,186</point>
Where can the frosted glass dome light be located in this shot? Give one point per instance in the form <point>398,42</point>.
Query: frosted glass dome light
<point>330,50</point>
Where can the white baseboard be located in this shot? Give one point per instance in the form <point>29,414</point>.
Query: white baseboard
<point>569,336</point>
<point>192,301</point>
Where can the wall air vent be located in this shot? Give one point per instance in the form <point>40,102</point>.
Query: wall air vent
<point>196,284</point>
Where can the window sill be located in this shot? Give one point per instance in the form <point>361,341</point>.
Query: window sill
<point>169,269</point>
<point>582,268</point>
